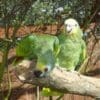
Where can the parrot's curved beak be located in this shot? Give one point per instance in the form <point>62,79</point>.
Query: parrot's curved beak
<point>68,29</point>
<point>37,73</point>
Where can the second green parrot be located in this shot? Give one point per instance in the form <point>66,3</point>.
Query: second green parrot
<point>42,47</point>
<point>73,48</point>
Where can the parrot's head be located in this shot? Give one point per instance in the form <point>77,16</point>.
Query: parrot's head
<point>45,63</point>
<point>71,27</point>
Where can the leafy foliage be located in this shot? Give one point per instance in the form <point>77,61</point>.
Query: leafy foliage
<point>47,11</point>
<point>12,13</point>
<point>44,11</point>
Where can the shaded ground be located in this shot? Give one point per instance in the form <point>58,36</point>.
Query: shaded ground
<point>21,91</point>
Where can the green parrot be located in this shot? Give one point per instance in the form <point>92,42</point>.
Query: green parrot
<point>42,47</point>
<point>72,51</point>
<point>73,48</point>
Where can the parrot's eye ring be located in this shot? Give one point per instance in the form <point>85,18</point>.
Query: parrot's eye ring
<point>46,69</point>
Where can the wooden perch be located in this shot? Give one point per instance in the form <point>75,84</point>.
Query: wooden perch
<point>60,80</point>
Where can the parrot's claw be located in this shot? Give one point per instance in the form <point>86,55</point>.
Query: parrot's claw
<point>73,71</point>
<point>61,69</point>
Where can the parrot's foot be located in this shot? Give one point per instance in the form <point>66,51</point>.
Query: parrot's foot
<point>61,69</point>
<point>73,71</point>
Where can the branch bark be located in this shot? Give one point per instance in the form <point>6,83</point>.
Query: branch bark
<point>60,80</point>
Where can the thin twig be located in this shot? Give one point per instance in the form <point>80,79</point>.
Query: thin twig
<point>9,85</point>
<point>38,94</point>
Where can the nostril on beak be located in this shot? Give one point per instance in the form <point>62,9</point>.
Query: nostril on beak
<point>37,73</point>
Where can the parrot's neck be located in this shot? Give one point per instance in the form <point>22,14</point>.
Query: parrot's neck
<point>72,36</point>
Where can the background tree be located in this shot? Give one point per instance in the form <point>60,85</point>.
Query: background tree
<point>16,13</point>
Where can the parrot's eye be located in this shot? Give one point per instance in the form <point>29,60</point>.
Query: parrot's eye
<point>76,25</point>
<point>46,69</point>
<point>67,25</point>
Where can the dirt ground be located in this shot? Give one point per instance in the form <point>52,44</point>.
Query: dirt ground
<point>21,91</point>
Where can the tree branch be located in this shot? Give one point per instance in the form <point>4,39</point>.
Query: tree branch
<point>60,80</point>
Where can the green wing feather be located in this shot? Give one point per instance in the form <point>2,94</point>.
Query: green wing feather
<point>45,48</point>
<point>26,47</point>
